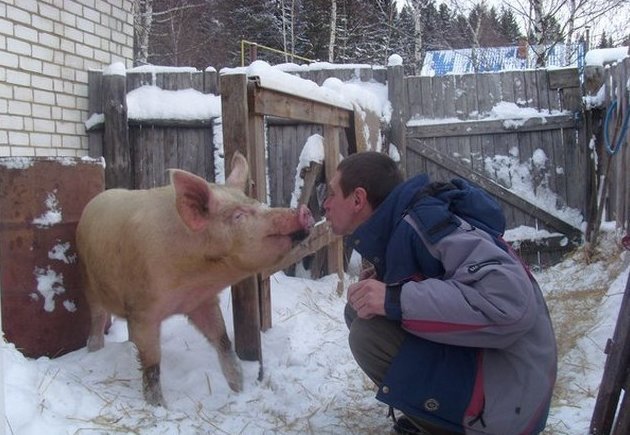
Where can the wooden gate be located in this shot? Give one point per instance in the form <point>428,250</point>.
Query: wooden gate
<point>456,126</point>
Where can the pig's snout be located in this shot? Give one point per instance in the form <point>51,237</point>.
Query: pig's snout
<point>305,218</point>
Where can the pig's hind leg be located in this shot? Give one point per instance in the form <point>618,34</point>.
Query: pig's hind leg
<point>98,319</point>
<point>209,320</point>
<point>146,336</point>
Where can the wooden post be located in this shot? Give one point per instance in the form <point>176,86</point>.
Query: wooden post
<point>397,96</point>
<point>119,170</point>
<point>245,294</point>
<point>331,160</point>
<point>211,82</point>
<point>95,106</point>
<point>615,372</point>
<point>256,155</point>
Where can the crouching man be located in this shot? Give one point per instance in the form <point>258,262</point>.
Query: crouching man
<point>450,325</point>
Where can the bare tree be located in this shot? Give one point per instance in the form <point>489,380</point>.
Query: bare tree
<point>288,26</point>
<point>333,30</point>
<point>418,48</point>
<point>572,18</point>
<point>142,19</point>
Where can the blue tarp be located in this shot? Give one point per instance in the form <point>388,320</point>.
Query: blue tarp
<point>493,59</point>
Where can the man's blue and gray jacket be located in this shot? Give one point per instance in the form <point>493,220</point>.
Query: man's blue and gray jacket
<point>480,356</point>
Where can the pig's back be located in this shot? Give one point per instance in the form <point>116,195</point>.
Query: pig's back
<point>114,238</point>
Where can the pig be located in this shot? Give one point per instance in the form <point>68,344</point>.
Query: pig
<point>148,254</point>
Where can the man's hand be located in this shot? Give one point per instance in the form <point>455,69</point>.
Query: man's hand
<point>367,297</point>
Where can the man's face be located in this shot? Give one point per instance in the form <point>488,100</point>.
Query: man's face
<point>340,212</point>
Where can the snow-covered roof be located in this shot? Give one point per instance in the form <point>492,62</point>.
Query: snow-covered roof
<point>441,62</point>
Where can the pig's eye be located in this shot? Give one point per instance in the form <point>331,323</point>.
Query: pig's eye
<point>240,214</point>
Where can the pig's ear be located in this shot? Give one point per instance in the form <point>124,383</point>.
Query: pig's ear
<point>240,172</point>
<point>193,199</point>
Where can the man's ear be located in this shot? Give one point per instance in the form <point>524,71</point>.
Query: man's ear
<point>360,198</point>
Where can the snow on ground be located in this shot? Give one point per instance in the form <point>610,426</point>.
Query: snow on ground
<point>310,382</point>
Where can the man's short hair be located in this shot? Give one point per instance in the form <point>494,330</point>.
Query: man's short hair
<point>377,173</point>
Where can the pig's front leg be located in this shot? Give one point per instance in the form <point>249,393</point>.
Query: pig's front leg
<point>209,320</point>
<point>146,336</point>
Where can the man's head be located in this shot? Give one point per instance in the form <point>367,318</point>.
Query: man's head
<point>360,185</point>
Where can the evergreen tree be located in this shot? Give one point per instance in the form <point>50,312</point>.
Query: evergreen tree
<point>603,43</point>
<point>313,31</point>
<point>509,27</point>
<point>402,40</point>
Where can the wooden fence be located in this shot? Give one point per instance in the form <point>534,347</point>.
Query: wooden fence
<point>437,123</point>
<point>139,151</point>
<point>447,128</point>
<point>606,123</point>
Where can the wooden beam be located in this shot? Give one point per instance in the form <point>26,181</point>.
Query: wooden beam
<point>245,294</point>
<point>397,96</point>
<point>321,236</point>
<point>564,78</point>
<point>258,173</point>
<point>615,371</point>
<point>574,234</point>
<point>116,149</point>
<point>331,152</point>
<point>274,103</point>
<point>310,175</point>
<point>493,126</point>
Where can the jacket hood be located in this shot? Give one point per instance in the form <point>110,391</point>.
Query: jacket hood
<point>371,237</point>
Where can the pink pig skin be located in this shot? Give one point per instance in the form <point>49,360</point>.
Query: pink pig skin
<point>149,254</point>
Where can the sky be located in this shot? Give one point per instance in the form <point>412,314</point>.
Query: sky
<point>310,383</point>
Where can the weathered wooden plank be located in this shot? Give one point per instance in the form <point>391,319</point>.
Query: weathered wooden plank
<point>310,174</point>
<point>520,93</point>
<point>489,126</point>
<point>116,150</point>
<point>258,173</point>
<point>413,96</point>
<point>449,91</point>
<point>274,103</point>
<point>559,166</point>
<point>172,81</point>
<point>190,152</point>
<point>197,81</point>
<point>488,91</point>
<point>211,82</point>
<point>136,80</point>
<point>397,97</point>
<point>320,237</point>
<point>245,294</point>
<point>426,90</point>
<point>543,89</point>
<point>276,153</point>
<point>615,371</point>
<point>208,153</point>
<point>469,84</point>
<point>171,123</point>
<point>531,90</point>
<point>506,80</point>
<point>331,151</point>
<point>148,156</point>
<point>562,78</point>
<point>623,221</point>
<point>95,107</point>
<point>572,233</point>
<point>437,95</point>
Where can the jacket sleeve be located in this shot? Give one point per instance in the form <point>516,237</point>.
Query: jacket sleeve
<point>485,299</point>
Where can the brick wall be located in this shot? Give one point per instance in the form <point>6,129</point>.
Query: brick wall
<point>46,50</point>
